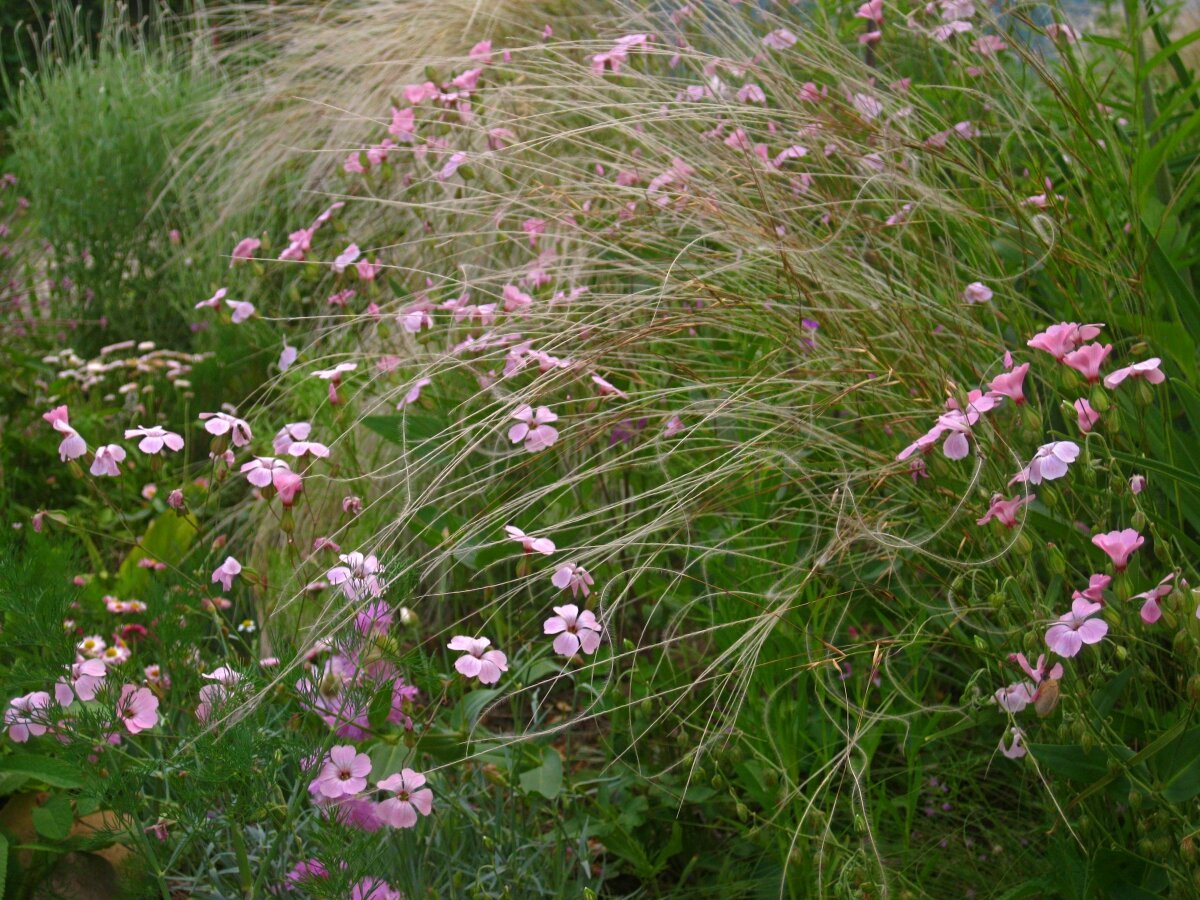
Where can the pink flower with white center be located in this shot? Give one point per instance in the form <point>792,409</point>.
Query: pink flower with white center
<point>308,448</point>
<point>479,662</point>
<point>344,773</point>
<point>1148,370</point>
<point>245,249</point>
<point>260,470</point>
<point>1150,611</point>
<point>534,428</point>
<point>977,292</point>
<point>1067,636</point>
<point>137,708</point>
<point>1016,749</point>
<point>293,431</point>
<point>608,390</point>
<point>1005,511</point>
<point>410,797</point>
<point>570,575</point>
<point>359,577</point>
<point>1010,384</point>
<point>576,630</point>
<point>1050,462</point>
<point>1088,359</point>
<point>213,302</point>
<point>154,438</point>
<point>1097,585</point>
<point>72,445</point>
<point>107,459</point>
<point>414,393</point>
<point>529,543</point>
<point>26,716</point>
<point>226,572</point>
<point>1137,484</point>
<point>1059,340</point>
<point>345,258</point>
<point>515,299</point>
<point>1086,415</point>
<point>218,424</point>
<point>83,682</point>
<point>1119,545</point>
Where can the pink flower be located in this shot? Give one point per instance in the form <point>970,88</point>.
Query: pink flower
<point>410,798</point>
<point>606,389</point>
<point>154,438</point>
<point>1015,697</point>
<point>359,577</point>
<point>414,393</point>
<point>137,708</point>
<point>1148,369</point>
<point>26,716</point>
<point>1086,415</point>
<point>213,302</point>
<point>374,889</point>
<point>292,431</point>
<point>346,258</point>
<point>514,298</point>
<point>1038,673</point>
<point>531,544</point>
<point>85,679</point>
<point>220,423</point>
<point>779,39</point>
<point>1137,484</point>
<point>576,630</point>
<point>1064,33</point>
<point>1119,545</point>
<point>479,662</point>
<point>308,448</point>
<point>175,499</point>
<point>977,292</point>
<point>570,575</point>
<point>245,249</point>
<point>1016,749</point>
<point>1060,339</point>
<point>872,11</point>
<point>534,428</point>
<point>106,460</point>
<point>1010,384</point>
<point>1088,359</point>
<point>673,427</point>
<point>1097,585</point>
<point>452,165</point>
<point>1005,511</point>
<point>72,446</point>
<point>261,470</point>
<point>1150,611</point>
<point>226,572</point>
<point>751,93</point>
<point>241,310</point>
<point>344,773</point>
<point>287,485</point>
<point>1050,462</point>
<point>1074,629</point>
<point>212,695</point>
<point>287,357</point>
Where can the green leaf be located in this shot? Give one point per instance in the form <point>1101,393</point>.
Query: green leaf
<point>53,819</point>
<point>380,708</point>
<point>168,539</point>
<point>3,863</point>
<point>471,706</point>
<point>545,779</point>
<point>43,769</point>
<point>10,783</point>
<point>387,759</point>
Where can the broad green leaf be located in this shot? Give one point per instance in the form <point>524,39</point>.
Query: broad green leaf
<point>468,710</point>
<point>53,819</point>
<point>43,769</point>
<point>545,779</point>
<point>168,539</point>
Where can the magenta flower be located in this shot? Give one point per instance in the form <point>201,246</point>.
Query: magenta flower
<point>154,438</point>
<point>529,543</point>
<point>1119,545</point>
<point>1074,629</point>
<point>72,445</point>
<point>410,798</point>
<point>26,716</point>
<point>534,428</point>
<point>1059,340</point>
<point>219,423</point>
<point>226,572</point>
<point>1086,415</point>
<point>1137,484</point>
<point>1010,384</point>
<point>1150,611</point>
<point>1148,369</point>
<point>1005,511</point>
<point>175,499</point>
<point>344,773</point>
<point>287,486</point>
<point>479,662</point>
<point>576,630</point>
<point>137,708</point>
<point>1088,359</point>
<point>374,889</point>
<point>1050,462</point>
<point>107,459</point>
<point>977,292</point>
<point>574,577</point>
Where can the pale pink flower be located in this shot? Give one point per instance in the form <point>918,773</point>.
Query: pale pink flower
<point>1119,545</point>
<point>415,318</point>
<point>410,797</point>
<point>212,695</point>
<point>1058,340</point>
<point>452,165</point>
<point>1097,585</point>
<point>1015,697</point>
<point>137,708</point>
<point>872,11</point>
<point>1074,629</point>
<point>84,681</point>
<point>534,428</point>
<point>1150,611</point>
<point>343,774</point>
<point>107,459</point>
<point>479,662</point>
<point>367,270</point>
<point>241,310</point>
<point>213,302</point>
<point>345,258</point>
<point>175,499</point>
<point>404,124</point>
<point>308,448</point>
<point>226,572</point>
<point>947,30</point>
<point>1016,749</point>
<point>576,630</point>
<point>289,433</point>
<point>154,438</point>
<point>358,577</point>
<point>1147,369</point>
<point>1086,415</point>
<point>1088,359</point>
<point>1010,384</point>
<point>1038,673</point>
<point>219,423</point>
<point>575,577</point>
<point>245,249</point>
<point>414,393</point>
<point>529,543</point>
<point>751,93</point>
<point>1137,484</point>
<point>779,39</point>
<point>1064,33</point>
<point>26,716</point>
<point>514,298</point>
<point>1005,511</point>
<point>287,357</point>
<point>1050,462</point>
<point>977,292</point>
<point>673,427</point>
<point>607,389</point>
<point>287,485</point>
<point>72,445</point>
<point>260,470</point>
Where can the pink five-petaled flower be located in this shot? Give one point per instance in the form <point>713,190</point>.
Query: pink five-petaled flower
<point>1074,629</point>
<point>1119,545</point>
<point>261,470</point>
<point>1050,462</point>
<point>574,577</point>
<point>410,798</point>
<point>534,428</point>
<point>479,662</point>
<point>154,438</point>
<point>1150,611</point>
<point>226,572</point>
<point>344,773</point>
<point>1088,359</point>
<point>26,716</point>
<point>576,630</point>
<point>607,389</point>
<point>293,431</point>
<point>977,292</point>
<point>84,681</point>
<point>1097,585</point>
<point>72,445</point>
<point>346,257</point>
<point>1086,415</point>
<point>107,459</point>
<point>1137,484</point>
<point>1058,340</point>
<point>287,484</point>
<point>219,423</point>
<point>1016,749</point>
<point>137,708</point>
<point>1148,369</point>
<point>359,577</point>
<point>1010,384</point>
<point>1005,511</point>
<point>531,544</point>
<point>241,310</point>
<point>245,249</point>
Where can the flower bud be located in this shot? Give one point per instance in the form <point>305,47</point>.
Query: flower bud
<point>1138,520</point>
<point>1057,562</point>
<point>1143,395</point>
<point>1137,484</point>
<point>1099,399</point>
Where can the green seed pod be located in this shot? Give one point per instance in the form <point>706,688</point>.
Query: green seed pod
<point>743,811</point>
<point>1135,799</point>
<point>1099,399</point>
<point>718,782</point>
<point>1057,562</point>
<point>1023,545</point>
